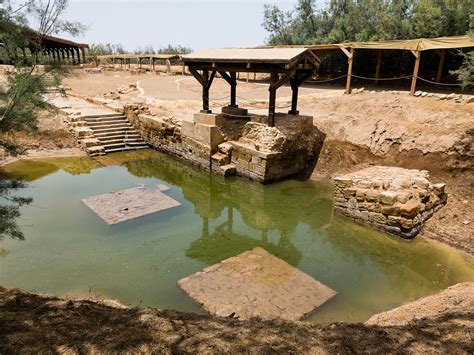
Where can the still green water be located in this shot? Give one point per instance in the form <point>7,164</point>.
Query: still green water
<point>70,251</point>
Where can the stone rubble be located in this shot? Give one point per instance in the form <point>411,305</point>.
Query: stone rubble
<point>391,199</point>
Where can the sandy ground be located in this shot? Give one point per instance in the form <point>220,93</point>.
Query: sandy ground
<point>44,324</point>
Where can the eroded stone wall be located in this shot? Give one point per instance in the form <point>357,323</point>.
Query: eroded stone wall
<point>233,144</point>
<point>394,200</point>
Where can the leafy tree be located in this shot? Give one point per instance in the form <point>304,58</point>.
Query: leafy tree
<point>170,49</point>
<point>23,97</point>
<point>465,73</point>
<point>366,20</point>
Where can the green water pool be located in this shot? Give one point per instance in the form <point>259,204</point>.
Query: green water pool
<point>70,251</point>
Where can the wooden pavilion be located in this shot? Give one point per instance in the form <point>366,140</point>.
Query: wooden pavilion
<point>57,49</point>
<point>415,46</point>
<point>126,59</point>
<point>293,65</point>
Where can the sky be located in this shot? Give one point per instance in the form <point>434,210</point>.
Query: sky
<point>191,23</point>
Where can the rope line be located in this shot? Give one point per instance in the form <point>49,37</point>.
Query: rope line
<point>433,82</point>
<point>327,80</point>
<point>375,79</point>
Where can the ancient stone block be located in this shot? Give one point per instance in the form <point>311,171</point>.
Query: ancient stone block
<point>410,208</point>
<point>120,206</point>
<point>395,200</point>
<point>247,286</point>
<point>235,111</point>
<point>360,194</point>
<point>225,148</point>
<point>372,195</point>
<point>388,197</point>
<point>211,119</point>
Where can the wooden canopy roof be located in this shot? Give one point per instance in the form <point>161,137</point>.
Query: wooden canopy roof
<point>262,60</point>
<point>53,42</point>
<point>139,56</point>
<point>245,55</point>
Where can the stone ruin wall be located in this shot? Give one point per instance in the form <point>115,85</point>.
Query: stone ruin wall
<point>394,200</point>
<point>235,146</point>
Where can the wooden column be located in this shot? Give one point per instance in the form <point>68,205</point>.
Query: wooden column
<point>78,55</point>
<point>442,55</point>
<point>83,51</point>
<point>350,59</point>
<point>233,90</point>
<point>272,100</point>
<point>377,67</point>
<point>294,98</point>
<point>417,55</point>
<point>168,66</point>
<point>205,92</point>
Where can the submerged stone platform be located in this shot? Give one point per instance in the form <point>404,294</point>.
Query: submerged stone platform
<point>391,199</point>
<point>124,205</point>
<point>256,284</point>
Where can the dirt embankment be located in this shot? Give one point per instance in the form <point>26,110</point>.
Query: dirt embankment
<point>39,324</point>
<point>51,139</point>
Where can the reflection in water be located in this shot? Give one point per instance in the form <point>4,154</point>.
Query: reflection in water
<point>68,249</point>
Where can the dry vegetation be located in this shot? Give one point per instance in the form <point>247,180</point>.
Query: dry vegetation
<point>87,326</point>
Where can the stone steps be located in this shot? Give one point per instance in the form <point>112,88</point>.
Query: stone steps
<point>110,133</point>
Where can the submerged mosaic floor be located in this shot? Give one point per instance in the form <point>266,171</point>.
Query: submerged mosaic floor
<point>256,284</point>
<point>124,205</point>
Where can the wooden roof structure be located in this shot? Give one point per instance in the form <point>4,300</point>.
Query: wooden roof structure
<point>416,46</point>
<point>294,65</point>
<point>138,56</point>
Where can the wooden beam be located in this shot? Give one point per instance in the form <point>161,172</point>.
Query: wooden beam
<point>285,78</point>
<point>347,53</point>
<point>350,60</point>
<point>417,55</point>
<point>198,76</point>
<point>377,67</point>
<point>442,55</point>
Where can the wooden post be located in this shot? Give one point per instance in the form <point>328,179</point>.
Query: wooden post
<point>417,55</point>
<point>248,74</point>
<point>442,55</point>
<point>205,92</point>
<point>83,51</point>
<point>350,59</point>
<point>254,76</point>
<point>294,98</point>
<point>272,101</point>
<point>183,69</point>
<point>377,67</point>
<point>233,90</point>
<point>78,56</point>
<point>168,66</point>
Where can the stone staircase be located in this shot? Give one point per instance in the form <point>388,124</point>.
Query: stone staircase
<point>221,160</point>
<point>109,133</point>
